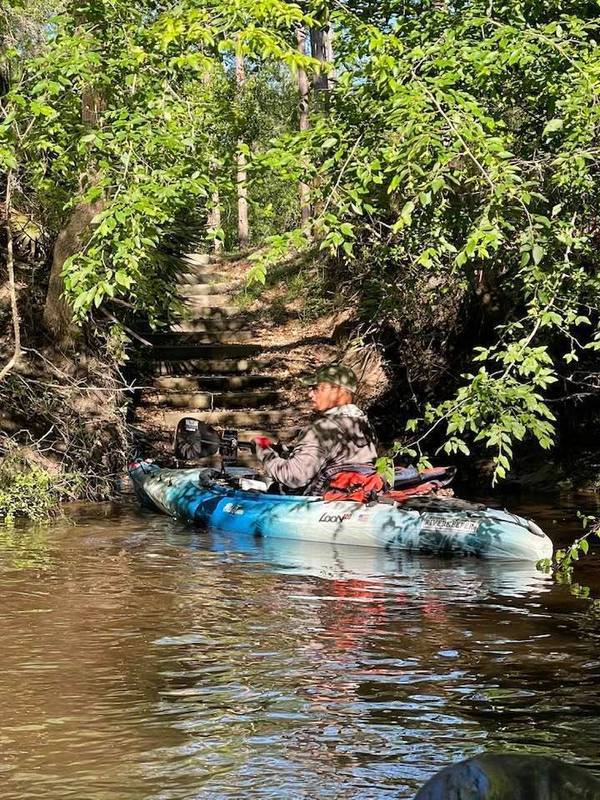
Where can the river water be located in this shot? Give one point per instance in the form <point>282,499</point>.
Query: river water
<point>142,661</point>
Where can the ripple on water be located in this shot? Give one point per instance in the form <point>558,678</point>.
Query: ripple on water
<point>146,662</point>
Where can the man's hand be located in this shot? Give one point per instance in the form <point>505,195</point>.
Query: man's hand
<point>263,442</point>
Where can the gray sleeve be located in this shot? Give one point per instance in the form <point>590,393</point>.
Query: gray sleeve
<point>308,457</point>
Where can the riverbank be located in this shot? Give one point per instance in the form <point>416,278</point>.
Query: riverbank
<point>63,430</point>
<point>66,416</point>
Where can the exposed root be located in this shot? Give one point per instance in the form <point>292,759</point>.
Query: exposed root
<point>68,418</point>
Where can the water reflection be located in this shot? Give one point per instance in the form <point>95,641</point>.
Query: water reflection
<point>142,661</point>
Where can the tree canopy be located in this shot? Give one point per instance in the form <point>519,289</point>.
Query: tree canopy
<point>451,139</point>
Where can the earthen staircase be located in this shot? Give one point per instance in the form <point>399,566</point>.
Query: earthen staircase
<point>211,365</point>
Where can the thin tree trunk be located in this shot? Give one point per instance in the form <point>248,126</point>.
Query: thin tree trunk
<point>321,43</point>
<point>242,173</point>
<point>214,214</point>
<point>242,187</point>
<point>214,219</point>
<point>10,266</point>
<point>92,106</point>
<point>303,92</point>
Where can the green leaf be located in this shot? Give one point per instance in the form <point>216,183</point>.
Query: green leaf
<point>553,125</point>
<point>123,279</point>
<point>41,109</point>
<point>406,213</point>
<point>385,468</point>
<point>538,253</point>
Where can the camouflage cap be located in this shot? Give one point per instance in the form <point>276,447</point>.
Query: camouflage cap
<point>336,374</point>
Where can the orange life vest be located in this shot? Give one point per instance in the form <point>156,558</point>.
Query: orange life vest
<point>355,486</point>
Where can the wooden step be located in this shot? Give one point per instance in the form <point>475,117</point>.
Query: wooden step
<point>183,352</point>
<point>198,259</point>
<point>196,276</point>
<point>203,312</point>
<point>216,302</point>
<point>259,421</point>
<point>199,366</point>
<point>234,334</point>
<point>214,383</point>
<point>205,401</point>
<point>218,337</point>
<point>211,325</point>
<point>201,289</point>
<point>172,338</point>
<point>210,320</point>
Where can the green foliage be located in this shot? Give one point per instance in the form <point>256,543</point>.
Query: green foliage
<point>413,453</point>
<point>465,139</point>
<point>565,559</point>
<point>458,139</point>
<point>26,490</point>
<point>385,468</point>
<point>158,132</point>
<point>262,110</point>
<point>499,409</point>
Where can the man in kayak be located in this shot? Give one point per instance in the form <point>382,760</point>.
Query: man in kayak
<point>340,438</point>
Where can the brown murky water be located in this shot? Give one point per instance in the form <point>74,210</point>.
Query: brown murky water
<point>142,661</point>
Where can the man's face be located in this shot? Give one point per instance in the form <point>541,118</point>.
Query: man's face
<point>327,395</point>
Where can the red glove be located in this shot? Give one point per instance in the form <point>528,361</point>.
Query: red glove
<point>263,442</point>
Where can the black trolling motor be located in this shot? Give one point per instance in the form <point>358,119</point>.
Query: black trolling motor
<point>195,440</point>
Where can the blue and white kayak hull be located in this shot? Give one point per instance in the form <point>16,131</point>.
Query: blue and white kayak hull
<point>466,530</point>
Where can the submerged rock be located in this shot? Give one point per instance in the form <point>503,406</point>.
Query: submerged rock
<point>511,777</point>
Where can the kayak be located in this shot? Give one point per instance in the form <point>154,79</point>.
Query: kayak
<point>425,524</point>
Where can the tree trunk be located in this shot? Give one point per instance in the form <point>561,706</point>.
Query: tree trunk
<point>92,106</point>
<point>242,174</point>
<point>321,43</point>
<point>214,219</point>
<point>58,316</point>
<point>214,213</point>
<point>303,92</point>
<point>242,189</point>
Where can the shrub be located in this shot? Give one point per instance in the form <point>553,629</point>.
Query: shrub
<point>26,490</point>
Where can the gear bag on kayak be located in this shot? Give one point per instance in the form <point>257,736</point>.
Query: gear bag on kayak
<point>364,486</point>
